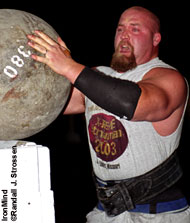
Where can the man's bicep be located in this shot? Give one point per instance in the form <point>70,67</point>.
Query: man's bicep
<point>75,103</point>
<point>160,97</point>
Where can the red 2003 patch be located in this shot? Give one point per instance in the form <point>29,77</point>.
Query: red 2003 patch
<point>107,136</point>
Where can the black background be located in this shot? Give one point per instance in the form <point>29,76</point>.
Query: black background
<point>88,28</point>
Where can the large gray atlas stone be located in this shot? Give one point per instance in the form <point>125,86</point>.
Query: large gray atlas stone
<point>31,94</point>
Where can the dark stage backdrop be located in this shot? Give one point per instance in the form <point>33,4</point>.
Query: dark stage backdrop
<point>88,28</point>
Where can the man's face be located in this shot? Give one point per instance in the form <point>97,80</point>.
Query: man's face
<point>134,41</point>
<point>123,59</point>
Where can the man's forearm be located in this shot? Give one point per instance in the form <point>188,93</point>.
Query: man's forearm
<point>117,96</point>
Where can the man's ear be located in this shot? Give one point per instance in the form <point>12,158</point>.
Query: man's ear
<point>156,39</point>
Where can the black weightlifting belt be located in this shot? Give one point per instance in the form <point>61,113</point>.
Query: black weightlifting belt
<point>119,196</point>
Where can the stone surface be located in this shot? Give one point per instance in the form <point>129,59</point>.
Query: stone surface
<point>31,94</point>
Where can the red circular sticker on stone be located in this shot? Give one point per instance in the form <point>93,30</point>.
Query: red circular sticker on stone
<point>107,136</point>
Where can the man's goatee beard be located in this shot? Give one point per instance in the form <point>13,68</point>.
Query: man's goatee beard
<point>121,63</point>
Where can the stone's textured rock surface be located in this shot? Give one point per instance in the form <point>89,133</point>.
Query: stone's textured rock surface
<point>31,94</point>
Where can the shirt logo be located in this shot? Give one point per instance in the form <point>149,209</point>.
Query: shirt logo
<point>107,136</point>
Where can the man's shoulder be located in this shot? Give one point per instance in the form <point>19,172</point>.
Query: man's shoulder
<point>164,73</point>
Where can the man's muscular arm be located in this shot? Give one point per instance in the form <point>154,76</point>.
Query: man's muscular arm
<point>163,92</point>
<point>76,103</point>
<point>117,96</point>
<point>159,94</point>
<point>95,86</point>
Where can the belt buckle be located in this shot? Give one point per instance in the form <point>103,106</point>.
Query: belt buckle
<point>113,201</point>
<point>105,192</point>
<point>106,199</point>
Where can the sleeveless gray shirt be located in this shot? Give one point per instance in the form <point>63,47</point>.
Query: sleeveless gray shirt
<point>122,149</point>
